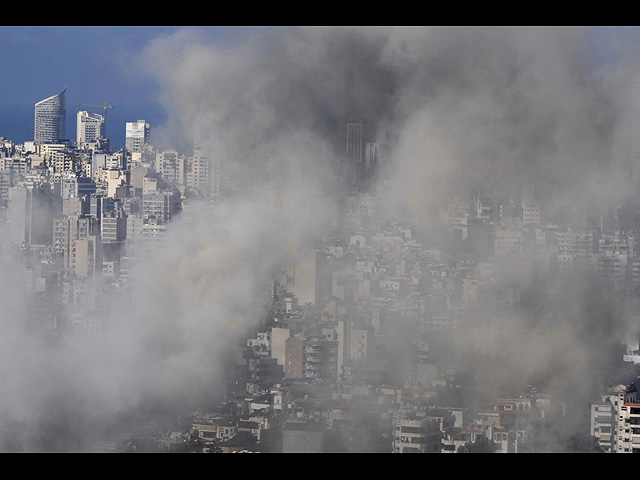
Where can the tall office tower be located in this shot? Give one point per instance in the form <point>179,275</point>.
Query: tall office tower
<point>137,135</point>
<point>90,127</point>
<point>354,153</point>
<point>294,358</point>
<point>634,157</point>
<point>113,226</point>
<point>160,206</point>
<point>530,207</point>
<point>66,230</point>
<point>87,258</point>
<point>171,166</point>
<point>198,175</point>
<point>7,179</point>
<point>215,179</point>
<point>51,118</point>
<point>207,144</point>
<point>32,208</point>
<point>371,155</point>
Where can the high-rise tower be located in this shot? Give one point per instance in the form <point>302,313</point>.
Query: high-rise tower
<point>90,127</point>
<point>354,152</point>
<point>137,136</point>
<point>51,118</point>
<point>361,156</point>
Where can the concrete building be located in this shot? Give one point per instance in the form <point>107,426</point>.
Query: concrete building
<point>60,158</point>
<point>198,171</point>
<point>90,128</point>
<point>32,208</point>
<point>304,276</point>
<point>415,435</point>
<point>302,437</point>
<point>615,420</point>
<point>19,166</point>
<point>279,338</point>
<point>152,232</point>
<point>150,183</point>
<point>113,226</point>
<point>628,428</point>
<point>86,257</point>
<point>137,135</point>
<point>603,425</point>
<point>135,226</point>
<point>611,268</point>
<point>371,159</point>
<point>530,207</point>
<point>265,371</point>
<point>508,242</point>
<point>481,238</point>
<point>320,357</point>
<point>161,206</point>
<point>6,182</point>
<point>294,358</point>
<point>73,185</point>
<point>66,231</point>
<point>582,245</point>
<point>354,153</point>
<point>171,166</point>
<point>75,206</point>
<point>354,343</point>
<point>220,428</point>
<point>286,304</point>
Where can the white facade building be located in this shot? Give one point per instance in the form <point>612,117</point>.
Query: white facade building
<point>137,136</point>
<point>615,421</point>
<point>90,127</point>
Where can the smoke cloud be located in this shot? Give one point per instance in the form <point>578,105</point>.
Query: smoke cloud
<point>460,108</point>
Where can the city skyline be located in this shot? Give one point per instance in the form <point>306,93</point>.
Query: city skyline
<point>101,64</point>
<point>97,64</point>
<point>406,238</point>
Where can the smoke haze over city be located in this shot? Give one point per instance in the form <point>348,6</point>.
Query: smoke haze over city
<point>456,111</point>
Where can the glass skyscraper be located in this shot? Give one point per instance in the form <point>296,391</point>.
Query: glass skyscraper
<point>51,118</point>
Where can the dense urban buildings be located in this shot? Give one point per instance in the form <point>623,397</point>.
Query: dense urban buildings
<point>378,335</point>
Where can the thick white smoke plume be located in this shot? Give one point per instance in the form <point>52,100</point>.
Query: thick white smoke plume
<point>460,107</point>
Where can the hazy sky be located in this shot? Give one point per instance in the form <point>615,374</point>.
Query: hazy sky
<point>98,64</point>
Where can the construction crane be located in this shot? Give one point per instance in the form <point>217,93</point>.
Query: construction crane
<point>104,118</point>
<point>104,107</point>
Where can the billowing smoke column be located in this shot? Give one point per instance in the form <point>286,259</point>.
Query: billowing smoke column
<point>460,106</point>
<point>506,107</point>
<point>461,109</point>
